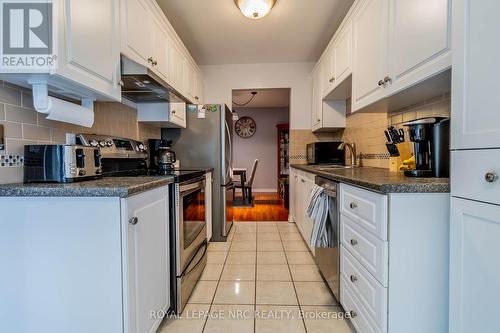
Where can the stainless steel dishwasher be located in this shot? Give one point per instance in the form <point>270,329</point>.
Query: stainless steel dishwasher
<point>327,258</point>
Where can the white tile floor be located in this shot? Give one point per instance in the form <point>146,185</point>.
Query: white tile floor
<point>263,280</point>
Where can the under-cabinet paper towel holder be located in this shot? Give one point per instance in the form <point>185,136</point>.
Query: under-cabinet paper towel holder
<point>41,98</point>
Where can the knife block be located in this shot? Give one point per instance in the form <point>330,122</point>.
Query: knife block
<point>405,152</point>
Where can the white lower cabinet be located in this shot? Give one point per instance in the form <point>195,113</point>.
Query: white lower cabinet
<point>86,264</point>
<point>303,183</point>
<point>145,224</point>
<point>397,281</point>
<point>475,266</point>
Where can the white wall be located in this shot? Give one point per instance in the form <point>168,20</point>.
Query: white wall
<point>262,146</point>
<point>219,81</point>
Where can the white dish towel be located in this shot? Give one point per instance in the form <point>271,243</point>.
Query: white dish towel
<point>318,210</point>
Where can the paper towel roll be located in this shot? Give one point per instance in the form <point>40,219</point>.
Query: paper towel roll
<point>67,112</point>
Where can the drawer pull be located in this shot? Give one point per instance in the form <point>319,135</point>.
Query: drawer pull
<point>353,314</point>
<point>354,242</point>
<point>133,220</point>
<point>353,278</point>
<point>491,177</point>
<point>353,205</point>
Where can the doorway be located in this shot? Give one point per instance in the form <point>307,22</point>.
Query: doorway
<point>261,153</point>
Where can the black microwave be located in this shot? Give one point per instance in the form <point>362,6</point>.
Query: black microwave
<point>325,153</point>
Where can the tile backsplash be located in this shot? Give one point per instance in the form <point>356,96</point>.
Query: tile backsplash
<point>23,125</point>
<point>367,131</point>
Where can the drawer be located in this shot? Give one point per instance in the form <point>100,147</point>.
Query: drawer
<point>370,251</point>
<point>367,289</point>
<point>468,175</point>
<point>368,209</point>
<point>359,316</point>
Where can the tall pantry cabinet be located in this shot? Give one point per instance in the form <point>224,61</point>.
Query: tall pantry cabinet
<point>475,203</point>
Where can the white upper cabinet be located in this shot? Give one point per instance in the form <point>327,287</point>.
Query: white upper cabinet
<point>177,68</point>
<point>161,54</point>
<point>370,52</point>
<point>327,68</point>
<point>475,96</point>
<point>137,31</point>
<point>419,40</point>
<point>342,54</point>
<point>150,40</point>
<point>388,46</point>
<point>90,48</point>
<point>317,102</point>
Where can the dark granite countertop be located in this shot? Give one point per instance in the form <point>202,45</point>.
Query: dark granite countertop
<point>380,180</point>
<point>121,187</point>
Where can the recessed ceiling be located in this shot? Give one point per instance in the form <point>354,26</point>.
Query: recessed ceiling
<point>265,98</point>
<point>217,33</point>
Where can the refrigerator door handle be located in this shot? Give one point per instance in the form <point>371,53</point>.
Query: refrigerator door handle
<point>229,172</point>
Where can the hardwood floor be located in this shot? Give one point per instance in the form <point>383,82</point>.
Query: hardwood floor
<point>266,208</point>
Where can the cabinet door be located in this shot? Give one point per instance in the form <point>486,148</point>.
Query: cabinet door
<point>90,49</point>
<point>327,72</point>
<point>475,96</point>
<point>342,55</point>
<point>137,31</point>
<point>198,96</point>
<point>146,222</point>
<point>178,113</point>
<point>160,56</point>
<point>475,268</point>
<point>370,53</point>
<point>176,67</point>
<point>317,102</point>
<point>189,80</point>
<point>419,40</point>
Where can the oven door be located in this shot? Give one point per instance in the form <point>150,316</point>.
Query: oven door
<point>191,221</point>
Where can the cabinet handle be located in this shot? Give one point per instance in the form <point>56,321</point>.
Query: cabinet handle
<point>353,278</point>
<point>150,60</point>
<point>121,83</point>
<point>491,177</point>
<point>173,111</point>
<point>331,79</point>
<point>196,98</point>
<point>133,220</point>
<point>387,79</point>
<point>353,314</point>
<point>354,242</point>
<point>380,83</point>
<point>302,180</point>
<point>353,205</point>
<point>155,63</point>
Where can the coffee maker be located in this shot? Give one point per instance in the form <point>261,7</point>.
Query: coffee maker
<point>161,156</point>
<point>431,138</point>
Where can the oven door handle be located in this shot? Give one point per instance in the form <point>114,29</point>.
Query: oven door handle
<point>205,245</point>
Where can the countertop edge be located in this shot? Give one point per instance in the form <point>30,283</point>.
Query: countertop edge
<point>39,190</point>
<point>393,188</point>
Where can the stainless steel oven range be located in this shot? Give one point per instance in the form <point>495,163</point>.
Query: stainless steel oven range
<point>188,234</point>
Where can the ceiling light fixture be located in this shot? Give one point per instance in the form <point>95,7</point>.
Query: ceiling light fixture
<point>246,103</point>
<point>255,9</point>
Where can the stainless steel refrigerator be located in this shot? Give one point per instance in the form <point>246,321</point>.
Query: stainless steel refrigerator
<point>207,142</point>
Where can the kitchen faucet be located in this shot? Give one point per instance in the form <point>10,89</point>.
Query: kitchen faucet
<point>352,149</point>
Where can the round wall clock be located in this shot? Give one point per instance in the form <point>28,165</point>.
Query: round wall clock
<point>245,127</point>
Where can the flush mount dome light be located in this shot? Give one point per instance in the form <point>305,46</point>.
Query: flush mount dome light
<point>255,9</point>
